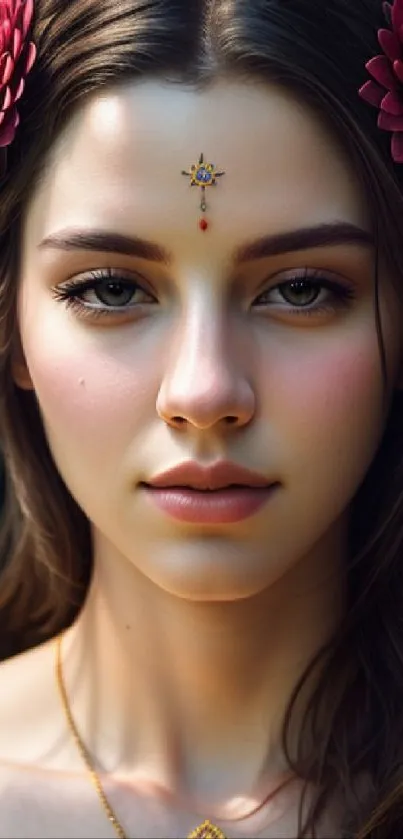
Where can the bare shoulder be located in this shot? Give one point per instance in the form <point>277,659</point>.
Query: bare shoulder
<point>27,705</point>
<point>45,804</point>
<point>39,784</point>
<point>25,663</point>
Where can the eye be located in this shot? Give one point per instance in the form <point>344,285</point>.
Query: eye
<point>300,292</point>
<point>103,293</point>
<point>307,293</point>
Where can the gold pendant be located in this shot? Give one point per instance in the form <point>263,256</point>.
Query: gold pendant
<point>203,175</point>
<point>207,831</point>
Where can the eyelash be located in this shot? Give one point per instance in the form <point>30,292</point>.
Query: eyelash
<point>71,292</point>
<point>316,280</point>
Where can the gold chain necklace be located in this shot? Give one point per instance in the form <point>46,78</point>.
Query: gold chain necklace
<point>207,830</point>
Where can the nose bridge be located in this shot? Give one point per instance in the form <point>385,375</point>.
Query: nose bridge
<point>203,345</point>
<point>200,362</point>
<point>203,381</point>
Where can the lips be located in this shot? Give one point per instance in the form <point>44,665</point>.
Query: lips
<point>222,493</point>
<point>220,475</point>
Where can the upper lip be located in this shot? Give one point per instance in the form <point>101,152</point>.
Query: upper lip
<point>215,476</point>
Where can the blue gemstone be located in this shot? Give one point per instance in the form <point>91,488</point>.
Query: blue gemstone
<point>203,175</point>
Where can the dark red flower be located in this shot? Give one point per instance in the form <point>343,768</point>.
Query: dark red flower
<point>385,89</point>
<point>17,55</point>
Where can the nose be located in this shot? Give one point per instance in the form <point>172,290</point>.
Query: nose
<point>204,383</point>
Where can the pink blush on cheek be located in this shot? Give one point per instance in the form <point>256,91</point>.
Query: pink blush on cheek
<point>93,420</point>
<point>101,397</point>
<point>333,395</point>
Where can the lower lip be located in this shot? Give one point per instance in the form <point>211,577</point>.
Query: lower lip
<point>225,506</point>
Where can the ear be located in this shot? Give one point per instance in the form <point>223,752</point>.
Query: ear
<point>19,369</point>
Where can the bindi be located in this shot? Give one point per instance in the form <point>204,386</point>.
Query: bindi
<point>203,175</point>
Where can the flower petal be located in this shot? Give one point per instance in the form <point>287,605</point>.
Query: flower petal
<point>17,44</point>
<point>392,103</point>
<point>398,70</point>
<point>397,147</point>
<point>397,15</point>
<point>6,32</point>
<point>7,101</point>
<point>15,13</point>
<point>4,68</point>
<point>17,57</point>
<point>390,44</point>
<point>381,70</point>
<point>389,122</point>
<point>372,93</point>
<point>8,129</point>
<point>27,16</point>
<point>8,69</point>
<point>20,90</point>
<point>30,58</point>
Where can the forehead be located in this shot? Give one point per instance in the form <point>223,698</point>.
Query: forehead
<point>118,165</point>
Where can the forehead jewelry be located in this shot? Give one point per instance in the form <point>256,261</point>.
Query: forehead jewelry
<point>203,175</point>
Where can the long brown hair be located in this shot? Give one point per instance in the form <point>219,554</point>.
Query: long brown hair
<point>353,726</point>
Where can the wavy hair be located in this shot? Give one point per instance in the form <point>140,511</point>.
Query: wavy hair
<point>353,725</point>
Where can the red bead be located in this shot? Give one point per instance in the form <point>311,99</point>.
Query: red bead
<point>203,224</point>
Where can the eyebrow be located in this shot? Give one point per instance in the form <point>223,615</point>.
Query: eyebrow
<point>333,233</point>
<point>105,242</point>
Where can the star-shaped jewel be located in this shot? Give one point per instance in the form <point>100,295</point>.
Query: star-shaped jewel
<point>203,175</point>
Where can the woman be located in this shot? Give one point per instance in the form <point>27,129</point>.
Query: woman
<point>201,359</point>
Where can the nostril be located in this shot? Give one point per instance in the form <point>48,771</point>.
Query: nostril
<point>178,420</point>
<point>231,420</point>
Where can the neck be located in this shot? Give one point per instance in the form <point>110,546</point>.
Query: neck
<point>172,688</point>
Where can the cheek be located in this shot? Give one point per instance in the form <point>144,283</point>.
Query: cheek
<point>91,396</point>
<point>331,412</point>
<point>335,388</point>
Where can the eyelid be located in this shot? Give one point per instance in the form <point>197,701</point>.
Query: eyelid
<point>314,275</point>
<point>72,291</point>
<point>341,293</point>
<point>92,277</point>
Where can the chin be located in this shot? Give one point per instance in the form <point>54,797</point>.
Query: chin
<point>211,570</point>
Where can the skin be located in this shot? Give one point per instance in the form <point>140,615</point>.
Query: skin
<point>182,660</point>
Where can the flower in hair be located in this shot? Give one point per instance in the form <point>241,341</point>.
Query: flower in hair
<point>385,89</point>
<point>17,56</point>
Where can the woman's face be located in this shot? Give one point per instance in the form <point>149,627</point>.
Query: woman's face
<point>150,342</point>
